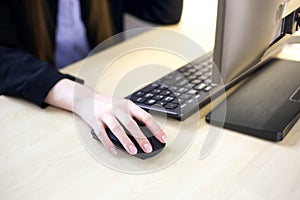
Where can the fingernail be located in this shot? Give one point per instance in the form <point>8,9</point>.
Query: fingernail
<point>113,151</point>
<point>148,148</point>
<point>132,149</point>
<point>164,138</point>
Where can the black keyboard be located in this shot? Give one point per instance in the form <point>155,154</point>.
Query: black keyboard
<point>180,93</point>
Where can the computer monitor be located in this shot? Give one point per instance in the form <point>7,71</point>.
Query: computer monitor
<point>249,32</point>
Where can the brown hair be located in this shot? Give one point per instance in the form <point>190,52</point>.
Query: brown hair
<point>99,25</point>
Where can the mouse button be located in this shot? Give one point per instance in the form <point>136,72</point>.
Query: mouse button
<point>136,144</point>
<point>146,132</point>
<point>155,143</point>
<point>111,135</point>
<point>140,124</point>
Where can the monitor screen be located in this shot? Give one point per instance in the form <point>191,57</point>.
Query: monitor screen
<point>248,31</point>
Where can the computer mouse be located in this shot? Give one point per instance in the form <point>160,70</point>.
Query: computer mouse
<point>157,146</point>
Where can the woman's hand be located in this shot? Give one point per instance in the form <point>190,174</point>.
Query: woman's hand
<point>102,112</point>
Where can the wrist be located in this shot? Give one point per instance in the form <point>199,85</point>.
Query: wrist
<point>61,94</point>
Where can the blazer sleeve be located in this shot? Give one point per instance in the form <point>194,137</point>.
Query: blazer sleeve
<point>21,74</point>
<point>163,12</point>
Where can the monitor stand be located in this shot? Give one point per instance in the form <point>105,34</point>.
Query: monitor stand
<point>267,105</point>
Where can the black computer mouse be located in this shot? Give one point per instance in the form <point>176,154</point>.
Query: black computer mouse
<point>157,146</point>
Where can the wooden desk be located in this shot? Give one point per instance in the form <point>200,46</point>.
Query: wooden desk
<point>42,157</point>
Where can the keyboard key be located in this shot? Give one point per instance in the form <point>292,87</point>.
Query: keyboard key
<point>198,96</point>
<point>181,83</point>
<point>190,101</point>
<point>196,81</point>
<point>200,86</point>
<point>163,87</point>
<point>168,77</point>
<point>183,105</point>
<point>208,88</point>
<point>192,92</point>
<point>140,93</point>
<point>171,106</point>
<point>172,95</point>
<point>158,97</point>
<point>182,90</point>
<point>169,82</point>
<point>149,95</point>
<point>191,77</point>
<point>139,100</point>
<point>178,101</point>
<point>185,96</point>
<point>198,73</point>
<point>208,81</point>
<point>189,66</point>
<point>173,88</point>
<point>196,64</point>
<point>166,92</point>
<point>203,77</point>
<point>209,73</point>
<point>189,85</point>
<point>181,70</point>
<point>207,69</point>
<point>186,74</point>
<point>169,99</point>
<point>150,87</point>
<point>161,103</point>
<point>150,102</point>
<point>192,70</point>
<point>156,91</point>
<point>177,94</point>
<point>178,78</point>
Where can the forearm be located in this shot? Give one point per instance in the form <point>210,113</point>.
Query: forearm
<point>62,94</point>
<point>72,96</point>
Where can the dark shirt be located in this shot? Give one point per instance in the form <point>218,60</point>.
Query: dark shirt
<point>23,75</point>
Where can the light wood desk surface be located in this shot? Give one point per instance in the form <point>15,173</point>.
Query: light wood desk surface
<point>42,157</point>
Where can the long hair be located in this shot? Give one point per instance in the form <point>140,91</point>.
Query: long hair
<point>99,25</point>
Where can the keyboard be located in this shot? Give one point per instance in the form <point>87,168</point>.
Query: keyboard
<point>180,93</point>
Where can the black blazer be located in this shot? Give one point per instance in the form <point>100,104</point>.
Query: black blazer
<point>23,75</point>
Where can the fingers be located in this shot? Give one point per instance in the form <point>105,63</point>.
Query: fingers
<point>102,136</point>
<point>119,132</point>
<point>148,120</point>
<point>125,111</point>
<point>136,132</point>
<point>121,112</point>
